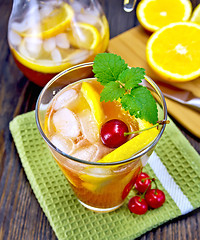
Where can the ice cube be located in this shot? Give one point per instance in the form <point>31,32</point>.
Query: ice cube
<point>82,142</point>
<point>93,11</point>
<point>33,45</point>
<point>87,18</point>
<point>64,144</point>
<point>102,150</point>
<point>23,51</point>
<point>33,41</point>
<point>14,38</point>
<point>79,56</point>
<point>49,44</point>
<point>77,6</point>
<point>29,23</point>
<point>56,56</point>
<point>20,26</point>
<point>62,41</point>
<point>64,99</point>
<point>89,126</point>
<point>87,153</point>
<point>33,19</point>
<point>66,123</point>
<point>99,172</point>
<point>46,10</point>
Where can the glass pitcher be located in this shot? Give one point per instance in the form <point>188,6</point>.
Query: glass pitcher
<point>48,36</point>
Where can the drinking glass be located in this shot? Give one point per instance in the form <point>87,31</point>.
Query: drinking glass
<point>100,187</point>
<point>46,37</point>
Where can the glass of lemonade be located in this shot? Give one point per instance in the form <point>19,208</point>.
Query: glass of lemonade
<point>46,37</point>
<point>66,110</point>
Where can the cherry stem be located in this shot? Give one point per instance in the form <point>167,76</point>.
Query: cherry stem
<point>143,195</point>
<point>144,179</point>
<point>154,180</point>
<point>162,122</point>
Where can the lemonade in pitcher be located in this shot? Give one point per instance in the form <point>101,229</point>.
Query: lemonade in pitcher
<point>46,37</point>
<point>99,145</point>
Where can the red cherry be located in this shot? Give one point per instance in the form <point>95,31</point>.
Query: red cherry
<point>155,198</point>
<point>128,188</point>
<point>143,182</point>
<point>138,205</point>
<point>112,133</point>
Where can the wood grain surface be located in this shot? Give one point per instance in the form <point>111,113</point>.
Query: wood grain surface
<point>21,217</point>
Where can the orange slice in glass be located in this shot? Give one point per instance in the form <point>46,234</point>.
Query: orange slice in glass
<point>84,36</point>
<point>93,99</point>
<point>44,64</point>
<point>56,22</point>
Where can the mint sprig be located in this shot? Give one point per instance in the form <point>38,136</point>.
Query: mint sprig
<point>123,83</point>
<point>107,67</point>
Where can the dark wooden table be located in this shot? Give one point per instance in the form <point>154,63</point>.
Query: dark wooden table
<point>20,214</point>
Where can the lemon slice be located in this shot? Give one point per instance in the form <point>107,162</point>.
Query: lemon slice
<point>93,99</point>
<point>196,14</point>
<point>83,35</point>
<point>96,178</point>
<point>143,124</point>
<point>105,35</point>
<point>56,22</point>
<point>44,62</point>
<point>154,14</point>
<point>132,146</point>
<point>41,65</point>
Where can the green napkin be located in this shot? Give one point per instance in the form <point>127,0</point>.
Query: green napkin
<point>175,163</point>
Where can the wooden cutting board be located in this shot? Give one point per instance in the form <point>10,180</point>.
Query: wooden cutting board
<point>131,46</point>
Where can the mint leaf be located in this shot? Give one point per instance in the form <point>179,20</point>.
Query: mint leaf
<point>112,91</point>
<point>128,103</point>
<point>107,67</point>
<point>141,104</point>
<point>132,77</point>
<point>121,82</point>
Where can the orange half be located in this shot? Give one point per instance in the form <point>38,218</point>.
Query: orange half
<point>154,14</point>
<point>173,51</point>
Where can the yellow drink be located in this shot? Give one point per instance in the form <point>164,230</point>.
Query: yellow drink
<point>54,36</point>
